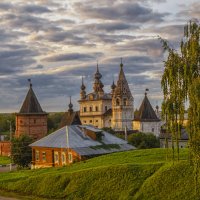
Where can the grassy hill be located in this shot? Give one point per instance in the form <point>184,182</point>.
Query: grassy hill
<point>137,175</point>
<point>4,160</point>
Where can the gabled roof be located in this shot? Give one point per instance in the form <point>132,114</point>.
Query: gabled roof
<point>146,112</point>
<point>31,104</point>
<point>81,142</point>
<point>70,118</point>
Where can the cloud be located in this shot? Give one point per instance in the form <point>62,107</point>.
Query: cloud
<point>6,6</point>
<point>109,27</point>
<point>148,46</point>
<point>132,12</point>
<point>34,9</point>
<point>191,11</point>
<point>12,61</point>
<point>72,56</point>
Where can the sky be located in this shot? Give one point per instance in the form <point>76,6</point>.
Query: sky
<point>56,42</point>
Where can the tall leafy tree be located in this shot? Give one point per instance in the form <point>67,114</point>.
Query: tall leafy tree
<point>181,84</point>
<point>20,151</point>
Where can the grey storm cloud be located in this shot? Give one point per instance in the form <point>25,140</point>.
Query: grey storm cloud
<point>111,26</point>
<point>35,37</point>
<point>152,47</point>
<point>124,11</point>
<point>36,9</point>
<point>72,56</point>
<point>6,6</point>
<point>32,23</point>
<point>13,61</point>
<point>110,38</point>
<point>61,36</point>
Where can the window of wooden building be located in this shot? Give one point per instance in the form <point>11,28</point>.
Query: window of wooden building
<point>70,157</point>
<point>56,157</point>
<point>44,156</point>
<point>37,155</point>
<point>63,158</point>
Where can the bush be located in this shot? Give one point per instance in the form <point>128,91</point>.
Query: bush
<point>20,151</point>
<point>144,140</point>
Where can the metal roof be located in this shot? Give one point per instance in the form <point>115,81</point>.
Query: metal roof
<point>80,142</point>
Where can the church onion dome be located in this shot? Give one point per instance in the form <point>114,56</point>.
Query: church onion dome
<point>97,75</point>
<point>70,106</point>
<point>113,86</point>
<point>82,85</point>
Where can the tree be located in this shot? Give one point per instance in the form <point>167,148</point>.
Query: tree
<point>181,69</point>
<point>144,140</point>
<point>20,151</point>
<point>181,84</point>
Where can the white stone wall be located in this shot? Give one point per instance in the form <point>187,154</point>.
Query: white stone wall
<point>151,127</point>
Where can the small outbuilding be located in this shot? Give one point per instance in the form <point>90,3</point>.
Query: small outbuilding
<point>166,139</point>
<point>75,143</point>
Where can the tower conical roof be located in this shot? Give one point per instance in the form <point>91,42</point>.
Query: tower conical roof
<point>122,87</point>
<point>146,112</point>
<point>31,104</point>
<point>98,85</point>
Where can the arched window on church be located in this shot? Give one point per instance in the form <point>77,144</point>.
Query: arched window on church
<point>117,102</point>
<point>125,102</point>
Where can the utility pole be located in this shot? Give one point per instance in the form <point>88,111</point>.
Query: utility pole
<point>10,144</point>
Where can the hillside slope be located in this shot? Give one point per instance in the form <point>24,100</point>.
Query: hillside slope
<point>138,174</point>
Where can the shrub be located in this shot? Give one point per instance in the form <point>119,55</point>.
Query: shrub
<point>144,140</point>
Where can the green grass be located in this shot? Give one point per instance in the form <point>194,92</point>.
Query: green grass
<point>138,175</point>
<point>4,160</point>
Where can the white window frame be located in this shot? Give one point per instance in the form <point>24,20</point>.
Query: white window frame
<point>70,157</point>
<point>63,156</point>
<point>56,157</point>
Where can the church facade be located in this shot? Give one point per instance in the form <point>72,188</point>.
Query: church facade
<point>101,109</point>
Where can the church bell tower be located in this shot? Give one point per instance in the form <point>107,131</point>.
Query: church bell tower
<point>122,104</point>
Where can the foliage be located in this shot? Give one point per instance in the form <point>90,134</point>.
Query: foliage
<point>53,121</point>
<point>181,83</point>
<point>170,182</point>
<point>144,140</point>
<point>181,70</point>
<point>4,160</point>
<point>114,176</point>
<point>4,123</point>
<point>109,130</point>
<point>20,151</point>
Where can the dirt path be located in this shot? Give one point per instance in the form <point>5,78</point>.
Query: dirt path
<point>7,198</point>
<point>7,169</point>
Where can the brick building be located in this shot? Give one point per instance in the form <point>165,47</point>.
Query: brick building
<point>31,119</point>
<point>5,148</point>
<point>74,143</point>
